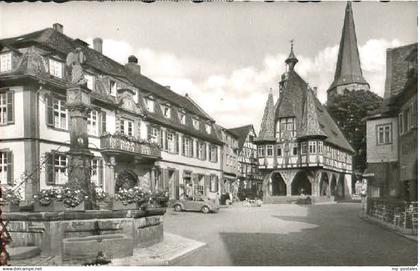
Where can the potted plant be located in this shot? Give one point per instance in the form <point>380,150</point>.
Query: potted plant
<point>58,199</point>
<point>127,199</point>
<point>49,200</point>
<point>9,201</point>
<point>159,198</point>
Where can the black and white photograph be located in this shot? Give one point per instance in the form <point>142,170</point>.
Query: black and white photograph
<point>208,134</point>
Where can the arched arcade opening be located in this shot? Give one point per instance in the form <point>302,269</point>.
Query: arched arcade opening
<point>278,185</point>
<point>301,184</point>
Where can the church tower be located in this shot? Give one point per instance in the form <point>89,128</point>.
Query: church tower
<point>348,73</point>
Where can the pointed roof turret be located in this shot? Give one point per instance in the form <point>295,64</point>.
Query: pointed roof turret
<point>267,123</point>
<point>291,60</point>
<point>348,69</point>
<point>310,123</point>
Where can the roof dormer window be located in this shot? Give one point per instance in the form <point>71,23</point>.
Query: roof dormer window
<point>182,117</point>
<point>56,68</point>
<point>150,104</point>
<point>208,128</point>
<point>6,62</point>
<point>166,110</point>
<point>89,81</point>
<point>196,123</point>
<point>113,88</point>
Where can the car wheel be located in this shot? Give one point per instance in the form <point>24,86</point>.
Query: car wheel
<point>205,209</point>
<point>178,208</point>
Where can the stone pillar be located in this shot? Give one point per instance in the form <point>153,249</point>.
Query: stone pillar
<point>78,104</point>
<point>109,175</point>
<point>348,190</point>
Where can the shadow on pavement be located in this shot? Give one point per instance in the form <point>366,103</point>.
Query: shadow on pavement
<point>342,239</point>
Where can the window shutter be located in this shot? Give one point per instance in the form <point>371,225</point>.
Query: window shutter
<point>10,180</point>
<point>10,108</point>
<point>196,148</point>
<point>161,138</point>
<point>165,133</point>
<point>100,172</point>
<point>217,156</point>
<point>103,123</point>
<point>49,111</point>
<point>182,145</point>
<point>176,143</point>
<point>149,132</point>
<point>191,144</point>
<point>49,169</point>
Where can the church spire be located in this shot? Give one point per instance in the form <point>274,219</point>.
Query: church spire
<point>291,60</point>
<point>348,70</point>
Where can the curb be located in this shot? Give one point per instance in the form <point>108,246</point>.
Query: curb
<point>183,254</point>
<point>387,227</point>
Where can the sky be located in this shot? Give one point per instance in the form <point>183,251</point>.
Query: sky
<point>227,56</point>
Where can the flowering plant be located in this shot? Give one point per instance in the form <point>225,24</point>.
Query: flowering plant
<point>132,195</point>
<point>47,195</point>
<point>100,194</point>
<point>12,196</point>
<point>71,197</point>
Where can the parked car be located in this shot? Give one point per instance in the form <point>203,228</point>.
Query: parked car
<point>200,204</point>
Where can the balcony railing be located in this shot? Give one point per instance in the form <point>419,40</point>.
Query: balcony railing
<point>128,145</point>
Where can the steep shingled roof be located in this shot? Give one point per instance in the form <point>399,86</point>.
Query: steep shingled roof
<point>348,69</point>
<point>294,103</point>
<point>268,122</point>
<point>242,133</point>
<point>397,69</point>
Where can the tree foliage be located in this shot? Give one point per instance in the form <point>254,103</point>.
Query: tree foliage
<point>349,111</point>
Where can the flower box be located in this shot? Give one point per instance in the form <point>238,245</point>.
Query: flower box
<point>54,206</point>
<point>9,207</point>
<point>118,205</point>
<point>80,207</point>
<point>104,205</point>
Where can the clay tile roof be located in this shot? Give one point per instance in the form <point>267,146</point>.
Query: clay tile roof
<point>397,69</point>
<point>268,122</point>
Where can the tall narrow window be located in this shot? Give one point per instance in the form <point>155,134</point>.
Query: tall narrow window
<point>384,134</point>
<point>60,168</point>
<point>304,148</point>
<point>92,124</point>
<point>5,62</point>
<point>56,68</point>
<point>104,129</point>
<point>89,80</point>
<point>170,139</point>
<point>113,88</point>
<point>269,150</point>
<point>279,150</point>
<point>6,107</point>
<point>182,118</point>
<point>261,151</point>
<point>196,124</point>
<point>6,167</point>
<point>126,127</point>
<point>312,147</point>
<point>60,114</point>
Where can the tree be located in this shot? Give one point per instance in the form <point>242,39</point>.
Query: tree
<point>349,111</point>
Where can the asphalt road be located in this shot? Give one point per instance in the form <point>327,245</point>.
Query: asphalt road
<point>290,235</point>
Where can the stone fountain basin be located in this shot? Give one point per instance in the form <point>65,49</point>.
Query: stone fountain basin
<point>112,245</point>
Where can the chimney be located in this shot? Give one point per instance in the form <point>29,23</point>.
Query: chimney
<point>133,65</point>
<point>97,44</point>
<point>58,27</point>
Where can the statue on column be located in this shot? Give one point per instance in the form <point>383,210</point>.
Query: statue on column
<point>74,61</point>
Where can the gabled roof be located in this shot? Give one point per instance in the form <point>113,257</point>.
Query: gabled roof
<point>268,122</point>
<point>397,69</point>
<point>348,69</point>
<point>242,133</point>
